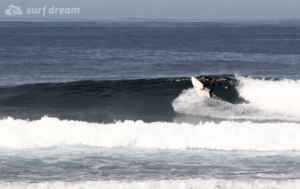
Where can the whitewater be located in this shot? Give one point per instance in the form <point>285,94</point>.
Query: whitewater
<point>178,184</point>
<point>226,135</point>
<point>265,99</point>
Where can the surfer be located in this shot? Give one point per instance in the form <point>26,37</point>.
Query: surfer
<point>212,82</point>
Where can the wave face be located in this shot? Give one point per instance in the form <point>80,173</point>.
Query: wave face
<point>226,135</point>
<point>97,101</point>
<point>164,99</point>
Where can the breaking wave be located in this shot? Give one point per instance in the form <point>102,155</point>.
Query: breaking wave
<point>264,99</point>
<point>226,135</point>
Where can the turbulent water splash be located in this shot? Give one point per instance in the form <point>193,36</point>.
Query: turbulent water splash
<point>263,100</point>
<point>227,135</point>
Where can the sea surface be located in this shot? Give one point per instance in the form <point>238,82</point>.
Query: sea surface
<point>110,104</point>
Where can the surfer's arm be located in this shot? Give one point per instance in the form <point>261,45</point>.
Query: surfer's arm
<point>205,77</point>
<point>206,85</point>
<point>222,85</point>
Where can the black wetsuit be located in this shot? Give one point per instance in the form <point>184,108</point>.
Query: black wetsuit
<point>212,85</point>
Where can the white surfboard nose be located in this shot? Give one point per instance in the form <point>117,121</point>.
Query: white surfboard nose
<point>198,86</point>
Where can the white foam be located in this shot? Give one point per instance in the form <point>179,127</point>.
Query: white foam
<point>227,135</point>
<point>279,97</point>
<point>189,102</point>
<point>165,184</point>
<point>268,99</point>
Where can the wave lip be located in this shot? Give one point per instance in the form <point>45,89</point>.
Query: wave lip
<point>226,135</point>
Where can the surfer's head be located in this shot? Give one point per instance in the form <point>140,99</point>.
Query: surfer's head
<point>215,81</point>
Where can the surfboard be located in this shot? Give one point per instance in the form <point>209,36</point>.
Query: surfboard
<point>198,86</point>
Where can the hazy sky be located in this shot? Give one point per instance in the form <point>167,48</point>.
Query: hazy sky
<point>160,9</point>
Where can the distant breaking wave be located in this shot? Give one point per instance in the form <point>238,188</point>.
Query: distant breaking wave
<point>226,135</point>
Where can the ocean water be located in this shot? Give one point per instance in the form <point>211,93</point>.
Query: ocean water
<point>110,104</point>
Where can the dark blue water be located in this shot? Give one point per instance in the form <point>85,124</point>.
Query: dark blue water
<point>37,52</point>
